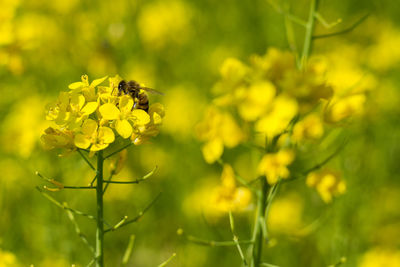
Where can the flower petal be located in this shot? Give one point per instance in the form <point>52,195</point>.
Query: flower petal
<point>97,147</point>
<point>89,127</point>
<point>125,103</point>
<point>140,117</point>
<point>123,128</point>
<point>81,141</point>
<point>109,111</point>
<point>98,81</point>
<point>89,108</point>
<point>106,135</point>
<point>76,85</point>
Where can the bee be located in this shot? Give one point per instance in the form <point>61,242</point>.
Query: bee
<point>133,88</point>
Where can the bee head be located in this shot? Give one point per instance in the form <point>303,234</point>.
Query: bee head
<point>122,87</point>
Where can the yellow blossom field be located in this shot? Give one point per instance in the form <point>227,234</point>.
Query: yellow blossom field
<point>199,133</point>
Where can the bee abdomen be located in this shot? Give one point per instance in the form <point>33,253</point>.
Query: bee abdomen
<point>143,102</point>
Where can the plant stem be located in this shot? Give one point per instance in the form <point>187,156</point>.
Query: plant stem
<point>309,33</point>
<point>100,227</point>
<point>257,231</point>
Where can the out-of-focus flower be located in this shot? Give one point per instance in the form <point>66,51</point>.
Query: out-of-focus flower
<point>328,184</point>
<point>88,113</point>
<point>227,196</point>
<point>380,257</point>
<point>218,129</point>
<point>340,109</point>
<point>309,128</point>
<point>23,126</point>
<point>255,100</point>
<point>285,215</point>
<point>383,53</point>
<point>164,23</point>
<point>217,200</point>
<point>277,120</point>
<point>8,259</point>
<point>275,165</point>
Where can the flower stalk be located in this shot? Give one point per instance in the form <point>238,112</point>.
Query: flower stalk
<point>309,32</point>
<point>99,254</point>
<point>259,219</point>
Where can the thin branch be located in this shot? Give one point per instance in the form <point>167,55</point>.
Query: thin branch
<point>128,251</point>
<point>91,262</point>
<point>55,202</point>
<point>93,180</point>
<point>340,262</point>
<point>118,225</point>
<point>324,23</point>
<point>119,150</point>
<point>281,11</point>
<point>347,30</point>
<point>236,239</point>
<point>78,230</point>
<point>140,215</point>
<point>268,264</point>
<point>168,260</point>
<point>213,243</point>
<point>317,166</point>
<point>134,181</point>
<point>86,160</point>
<point>59,186</point>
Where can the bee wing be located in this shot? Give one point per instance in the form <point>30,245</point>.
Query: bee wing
<point>153,91</point>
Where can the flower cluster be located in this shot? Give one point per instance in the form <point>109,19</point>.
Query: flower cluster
<point>272,104</point>
<point>91,116</point>
<point>328,183</point>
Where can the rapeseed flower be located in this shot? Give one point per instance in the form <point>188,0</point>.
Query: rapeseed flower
<point>275,165</point>
<point>328,184</point>
<point>91,116</point>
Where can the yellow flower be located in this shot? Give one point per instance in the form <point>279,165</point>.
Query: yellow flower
<point>310,127</point>
<point>92,135</point>
<point>256,100</point>
<point>212,150</point>
<point>8,259</point>
<point>380,257</point>
<point>233,71</point>
<point>327,183</point>
<point>227,196</point>
<point>164,23</point>
<point>277,120</point>
<point>274,165</point>
<point>344,108</point>
<point>144,129</point>
<point>218,129</point>
<point>54,138</point>
<point>88,90</point>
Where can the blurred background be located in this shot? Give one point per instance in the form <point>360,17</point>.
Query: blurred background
<point>177,47</point>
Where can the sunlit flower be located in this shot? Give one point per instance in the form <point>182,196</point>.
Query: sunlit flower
<point>54,138</point>
<point>163,23</point>
<point>218,129</point>
<point>227,196</point>
<point>277,120</point>
<point>328,184</point>
<point>88,113</point>
<point>93,136</point>
<point>275,165</point>
<point>380,257</point>
<point>310,127</point>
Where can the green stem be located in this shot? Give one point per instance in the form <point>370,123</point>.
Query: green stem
<point>309,32</point>
<point>99,255</point>
<point>257,231</point>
